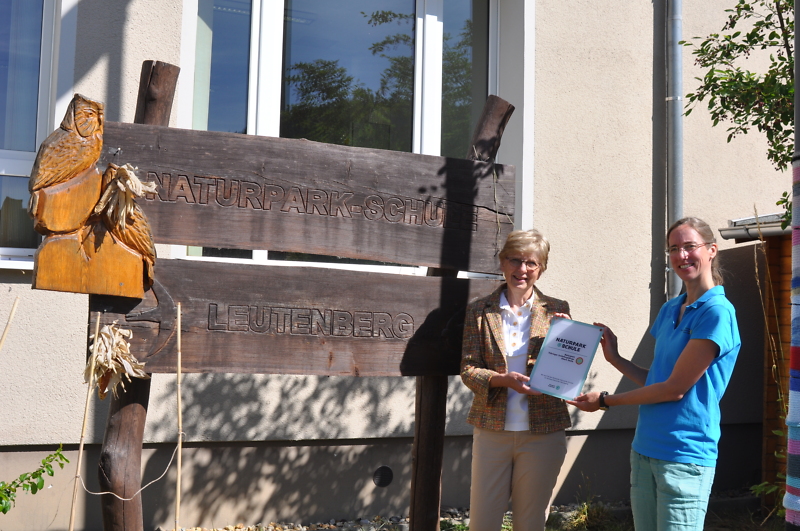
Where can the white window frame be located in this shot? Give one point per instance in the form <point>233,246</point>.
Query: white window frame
<point>19,163</point>
<point>264,93</point>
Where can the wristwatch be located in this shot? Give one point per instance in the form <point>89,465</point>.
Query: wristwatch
<point>602,400</point>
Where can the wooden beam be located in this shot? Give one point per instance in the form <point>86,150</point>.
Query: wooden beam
<point>296,320</point>
<point>302,196</point>
<point>121,455</point>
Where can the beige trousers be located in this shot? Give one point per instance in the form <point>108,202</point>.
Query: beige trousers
<point>519,465</point>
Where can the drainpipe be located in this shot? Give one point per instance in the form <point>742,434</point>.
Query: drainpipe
<point>674,128</point>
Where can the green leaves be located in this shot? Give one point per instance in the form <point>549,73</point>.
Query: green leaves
<point>786,219</point>
<point>31,482</point>
<point>745,98</point>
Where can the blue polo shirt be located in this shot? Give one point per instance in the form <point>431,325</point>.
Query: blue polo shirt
<point>687,431</point>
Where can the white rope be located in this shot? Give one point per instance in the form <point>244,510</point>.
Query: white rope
<point>159,478</point>
<point>8,324</point>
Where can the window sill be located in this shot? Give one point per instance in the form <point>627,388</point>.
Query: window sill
<point>17,163</point>
<point>17,263</point>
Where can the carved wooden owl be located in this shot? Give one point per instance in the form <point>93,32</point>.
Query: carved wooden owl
<point>71,148</point>
<point>123,217</point>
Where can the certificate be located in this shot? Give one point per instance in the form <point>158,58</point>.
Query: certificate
<point>565,357</point>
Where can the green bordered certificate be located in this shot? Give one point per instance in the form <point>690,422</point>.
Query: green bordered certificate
<point>565,357</point>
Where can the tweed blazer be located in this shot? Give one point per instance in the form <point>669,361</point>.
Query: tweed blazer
<point>483,355</point>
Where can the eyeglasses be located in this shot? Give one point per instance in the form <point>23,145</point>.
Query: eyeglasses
<point>687,248</point>
<point>517,262</point>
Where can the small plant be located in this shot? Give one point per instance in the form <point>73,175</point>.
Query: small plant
<point>31,482</point>
<point>591,513</point>
<point>377,524</point>
<point>448,525</point>
<point>786,202</point>
<point>778,488</point>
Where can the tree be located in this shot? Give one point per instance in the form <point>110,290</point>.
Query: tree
<point>745,98</point>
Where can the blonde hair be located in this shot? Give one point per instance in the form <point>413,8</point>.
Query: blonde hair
<point>707,234</point>
<point>527,242</point>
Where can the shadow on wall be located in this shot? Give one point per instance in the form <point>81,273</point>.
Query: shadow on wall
<point>602,463</point>
<point>228,484</point>
<point>303,483</point>
<point>99,43</point>
<point>242,407</point>
<point>261,472</point>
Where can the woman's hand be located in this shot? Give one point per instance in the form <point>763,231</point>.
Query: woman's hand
<point>588,402</point>
<point>562,315</point>
<point>515,381</point>
<point>609,343</point>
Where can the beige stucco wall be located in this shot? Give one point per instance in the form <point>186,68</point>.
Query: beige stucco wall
<point>114,38</point>
<point>593,158</point>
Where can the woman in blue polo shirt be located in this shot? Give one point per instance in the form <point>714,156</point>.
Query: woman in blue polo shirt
<point>674,451</point>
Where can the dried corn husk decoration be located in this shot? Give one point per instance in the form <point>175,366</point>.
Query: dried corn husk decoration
<point>113,362</point>
<point>118,199</point>
<point>125,219</point>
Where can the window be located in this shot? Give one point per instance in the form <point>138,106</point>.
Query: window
<point>406,75</point>
<point>409,75</point>
<point>24,121</point>
<point>354,91</point>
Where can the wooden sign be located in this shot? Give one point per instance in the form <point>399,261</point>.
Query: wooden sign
<point>226,190</point>
<point>251,192</point>
<point>296,320</point>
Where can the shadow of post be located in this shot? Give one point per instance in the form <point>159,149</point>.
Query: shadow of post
<point>457,241</point>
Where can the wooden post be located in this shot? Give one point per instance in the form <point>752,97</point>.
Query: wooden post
<point>427,454</point>
<point>489,129</point>
<point>121,454</point>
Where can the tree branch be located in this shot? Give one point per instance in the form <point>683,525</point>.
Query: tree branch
<point>784,35</point>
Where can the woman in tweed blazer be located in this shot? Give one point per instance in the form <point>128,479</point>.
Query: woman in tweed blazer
<point>519,441</point>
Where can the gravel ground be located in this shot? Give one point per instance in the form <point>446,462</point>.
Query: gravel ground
<point>453,518</point>
<point>725,513</point>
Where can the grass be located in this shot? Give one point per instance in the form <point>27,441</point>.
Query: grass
<point>589,516</point>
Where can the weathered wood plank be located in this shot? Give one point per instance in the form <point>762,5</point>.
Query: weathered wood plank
<point>289,320</point>
<point>250,192</point>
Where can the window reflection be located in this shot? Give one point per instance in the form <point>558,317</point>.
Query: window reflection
<point>223,60</point>
<point>20,46</point>
<point>349,72</point>
<point>464,72</point>
<point>16,228</point>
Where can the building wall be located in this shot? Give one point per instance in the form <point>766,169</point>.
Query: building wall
<point>580,137</point>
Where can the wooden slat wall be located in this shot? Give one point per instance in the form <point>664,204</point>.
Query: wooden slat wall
<point>777,302</point>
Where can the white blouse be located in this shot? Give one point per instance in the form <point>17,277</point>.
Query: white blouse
<point>516,332</point>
